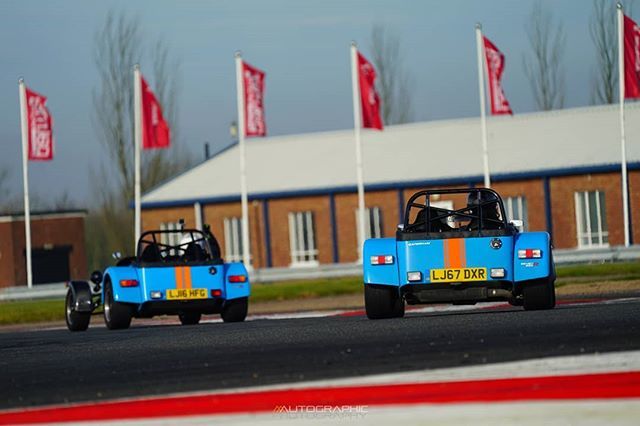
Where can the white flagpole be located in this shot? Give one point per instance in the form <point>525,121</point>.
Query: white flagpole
<point>483,114</point>
<point>623,147</point>
<point>244,198</point>
<point>357,124</point>
<point>137,114</point>
<point>24,126</point>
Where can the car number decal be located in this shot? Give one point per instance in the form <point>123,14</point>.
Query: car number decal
<point>458,274</point>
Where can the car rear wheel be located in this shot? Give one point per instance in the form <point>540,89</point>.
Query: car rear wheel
<point>76,321</point>
<point>539,295</point>
<point>189,318</point>
<point>116,315</point>
<point>383,302</point>
<point>235,310</point>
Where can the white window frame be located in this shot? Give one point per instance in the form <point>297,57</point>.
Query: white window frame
<point>233,239</point>
<point>515,204</point>
<point>303,246</point>
<point>585,237</point>
<point>372,222</point>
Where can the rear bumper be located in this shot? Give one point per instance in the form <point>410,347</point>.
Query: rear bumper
<point>463,292</point>
<point>174,307</point>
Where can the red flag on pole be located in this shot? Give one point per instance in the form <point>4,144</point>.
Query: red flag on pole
<point>495,67</point>
<point>253,79</point>
<point>370,100</point>
<point>631,59</point>
<point>40,129</point>
<point>155,129</point>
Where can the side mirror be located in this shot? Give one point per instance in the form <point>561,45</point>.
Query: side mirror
<point>116,255</point>
<point>518,224</point>
<point>96,277</point>
<point>400,227</point>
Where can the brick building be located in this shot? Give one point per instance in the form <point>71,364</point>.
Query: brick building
<point>558,171</point>
<point>57,248</point>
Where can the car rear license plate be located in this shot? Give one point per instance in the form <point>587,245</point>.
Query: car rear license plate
<point>449,275</point>
<point>186,293</point>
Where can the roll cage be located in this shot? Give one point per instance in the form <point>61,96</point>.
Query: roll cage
<point>156,247</point>
<point>484,214</point>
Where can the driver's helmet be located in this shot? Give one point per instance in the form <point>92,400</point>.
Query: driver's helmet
<point>485,196</point>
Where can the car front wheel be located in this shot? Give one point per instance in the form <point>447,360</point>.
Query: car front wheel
<point>116,315</point>
<point>76,321</point>
<point>383,302</point>
<point>189,318</point>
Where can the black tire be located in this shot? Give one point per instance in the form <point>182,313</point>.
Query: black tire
<point>117,315</point>
<point>539,295</point>
<point>189,318</point>
<point>76,321</point>
<point>235,310</point>
<point>383,302</point>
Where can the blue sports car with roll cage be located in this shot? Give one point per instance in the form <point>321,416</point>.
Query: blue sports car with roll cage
<point>461,256</point>
<point>174,272</point>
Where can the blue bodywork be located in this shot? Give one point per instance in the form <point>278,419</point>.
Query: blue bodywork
<point>426,254</point>
<point>158,280</point>
<point>163,278</point>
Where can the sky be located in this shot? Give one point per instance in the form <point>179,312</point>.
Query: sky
<point>302,45</point>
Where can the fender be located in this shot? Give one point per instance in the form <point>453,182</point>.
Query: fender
<point>124,294</point>
<point>380,274</point>
<point>236,290</point>
<point>532,269</point>
<point>81,291</point>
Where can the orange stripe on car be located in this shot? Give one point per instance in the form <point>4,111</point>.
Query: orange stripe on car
<point>454,253</point>
<point>179,277</point>
<point>187,276</point>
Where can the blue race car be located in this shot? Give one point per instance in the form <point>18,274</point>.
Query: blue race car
<point>464,256</point>
<point>175,272</point>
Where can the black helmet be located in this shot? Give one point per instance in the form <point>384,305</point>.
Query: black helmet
<point>477,197</point>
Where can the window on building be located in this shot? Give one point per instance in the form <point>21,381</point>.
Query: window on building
<point>372,222</point>
<point>233,239</point>
<point>591,218</point>
<point>171,238</point>
<point>302,240</point>
<point>516,209</point>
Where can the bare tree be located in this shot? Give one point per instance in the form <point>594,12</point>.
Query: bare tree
<point>393,81</point>
<point>543,65</point>
<point>603,31</point>
<point>119,44</point>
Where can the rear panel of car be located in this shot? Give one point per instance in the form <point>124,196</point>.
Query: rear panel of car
<point>455,259</point>
<point>181,282</point>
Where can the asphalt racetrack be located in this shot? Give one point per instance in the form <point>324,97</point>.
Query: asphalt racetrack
<point>56,366</point>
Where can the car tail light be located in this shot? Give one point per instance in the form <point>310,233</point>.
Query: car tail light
<point>237,278</point>
<point>128,283</point>
<point>529,254</point>
<point>216,293</point>
<point>382,260</point>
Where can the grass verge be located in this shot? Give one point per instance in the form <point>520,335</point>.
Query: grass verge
<point>53,310</point>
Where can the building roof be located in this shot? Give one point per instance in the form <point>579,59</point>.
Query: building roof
<point>435,152</point>
<point>43,215</point>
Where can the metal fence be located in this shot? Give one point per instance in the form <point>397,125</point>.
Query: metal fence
<point>597,255</point>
